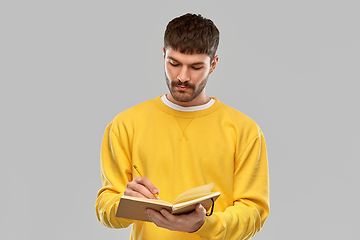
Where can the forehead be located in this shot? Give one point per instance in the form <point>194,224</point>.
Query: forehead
<point>186,58</point>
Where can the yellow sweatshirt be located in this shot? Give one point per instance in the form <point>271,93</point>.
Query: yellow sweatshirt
<point>181,150</point>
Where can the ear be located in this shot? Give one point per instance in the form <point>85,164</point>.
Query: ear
<point>163,50</point>
<point>213,63</point>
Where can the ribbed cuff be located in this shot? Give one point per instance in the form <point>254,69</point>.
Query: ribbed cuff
<point>212,226</point>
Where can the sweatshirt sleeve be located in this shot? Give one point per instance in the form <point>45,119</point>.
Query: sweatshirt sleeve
<point>251,197</point>
<point>115,174</point>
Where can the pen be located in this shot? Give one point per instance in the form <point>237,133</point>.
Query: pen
<point>136,168</point>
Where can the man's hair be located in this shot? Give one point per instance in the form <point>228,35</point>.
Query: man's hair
<point>191,33</point>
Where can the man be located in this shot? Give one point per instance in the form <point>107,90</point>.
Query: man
<point>182,140</point>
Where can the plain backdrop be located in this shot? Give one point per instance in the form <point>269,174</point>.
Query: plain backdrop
<point>68,67</point>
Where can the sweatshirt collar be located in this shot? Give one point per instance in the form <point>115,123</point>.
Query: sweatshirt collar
<point>187,114</point>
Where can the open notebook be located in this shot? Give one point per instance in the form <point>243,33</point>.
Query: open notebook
<point>134,207</point>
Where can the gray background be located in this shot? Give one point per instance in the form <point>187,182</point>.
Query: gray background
<point>68,67</point>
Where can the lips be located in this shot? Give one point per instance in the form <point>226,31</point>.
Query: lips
<point>182,88</point>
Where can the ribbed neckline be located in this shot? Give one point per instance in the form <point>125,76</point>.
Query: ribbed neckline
<point>177,113</point>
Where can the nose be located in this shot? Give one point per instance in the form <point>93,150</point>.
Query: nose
<point>184,75</point>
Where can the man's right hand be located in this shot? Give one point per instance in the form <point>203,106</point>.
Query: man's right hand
<point>141,187</point>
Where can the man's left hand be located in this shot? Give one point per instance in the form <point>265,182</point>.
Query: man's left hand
<point>185,222</point>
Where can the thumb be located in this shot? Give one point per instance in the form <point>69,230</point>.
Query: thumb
<point>200,209</point>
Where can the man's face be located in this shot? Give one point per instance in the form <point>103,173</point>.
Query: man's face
<point>186,76</point>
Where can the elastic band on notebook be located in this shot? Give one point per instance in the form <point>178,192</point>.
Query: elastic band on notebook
<point>212,208</point>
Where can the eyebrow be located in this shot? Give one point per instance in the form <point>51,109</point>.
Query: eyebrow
<point>195,63</point>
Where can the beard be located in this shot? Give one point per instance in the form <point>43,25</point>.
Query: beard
<point>188,95</point>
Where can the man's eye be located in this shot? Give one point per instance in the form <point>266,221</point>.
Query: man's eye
<point>197,68</point>
<point>174,64</point>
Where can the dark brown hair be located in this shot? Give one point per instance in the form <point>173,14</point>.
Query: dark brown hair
<point>191,33</point>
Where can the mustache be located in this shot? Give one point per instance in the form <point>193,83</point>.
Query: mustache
<point>184,84</point>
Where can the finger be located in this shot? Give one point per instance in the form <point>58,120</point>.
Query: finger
<point>200,209</point>
<point>199,212</point>
<point>132,193</point>
<point>156,218</point>
<point>167,215</point>
<point>136,189</point>
<point>148,184</point>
